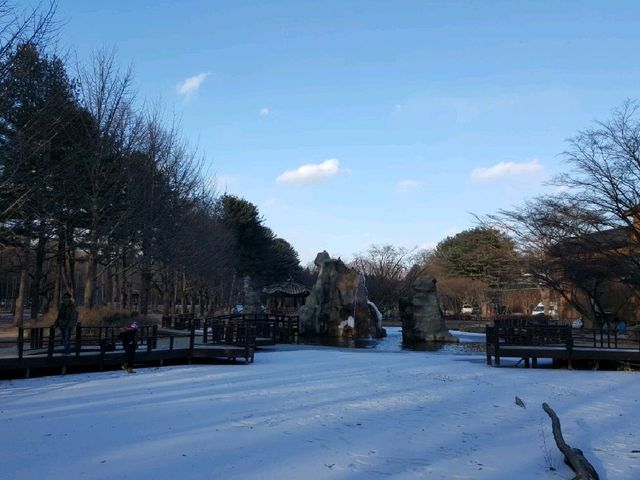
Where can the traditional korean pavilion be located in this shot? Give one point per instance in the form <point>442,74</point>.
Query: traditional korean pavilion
<point>285,298</point>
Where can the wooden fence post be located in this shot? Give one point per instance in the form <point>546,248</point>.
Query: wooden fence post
<point>78,339</point>
<point>192,339</point>
<point>20,341</point>
<point>155,337</point>
<point>52,339</point>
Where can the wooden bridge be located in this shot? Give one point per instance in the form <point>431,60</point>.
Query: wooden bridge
<point>179,340</point>
<point>270,329</point>
<point>531,341</point>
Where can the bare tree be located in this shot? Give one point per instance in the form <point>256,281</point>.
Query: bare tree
<point>385,268</point>
<point>34,27</point>
<point>107,93</point>
<point>585,238</point>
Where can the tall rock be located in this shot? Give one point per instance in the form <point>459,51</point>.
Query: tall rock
<point>422,318</point>
<point>337,305</point>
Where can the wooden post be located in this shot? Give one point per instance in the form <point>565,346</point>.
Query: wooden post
<point>20,341</point>
<point>155,337</point>
<point>78,339</point>
<point>192,342</point>
<point>496,345</point>
<point>569,347</point>
<point>102,350</point>
<point>52,339</point>
<point>33,337</point>
<point>487,338</point>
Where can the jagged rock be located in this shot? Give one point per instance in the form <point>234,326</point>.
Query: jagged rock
<point>337,305</point>
<point>421,315</point>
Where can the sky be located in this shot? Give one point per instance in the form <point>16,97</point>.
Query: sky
<point>351,123</point>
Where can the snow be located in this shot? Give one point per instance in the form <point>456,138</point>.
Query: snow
<point>319,413</point>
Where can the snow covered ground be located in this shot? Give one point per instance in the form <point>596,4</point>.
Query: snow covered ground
<point>319,413</point>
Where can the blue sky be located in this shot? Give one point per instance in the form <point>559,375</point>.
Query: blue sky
<point>409,116</point>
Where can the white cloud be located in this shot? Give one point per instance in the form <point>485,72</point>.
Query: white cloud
<point>406,186</point>
<point>506,169</point>
<point>190,85</point>
<point>264,112</point>
<point>312,173</point>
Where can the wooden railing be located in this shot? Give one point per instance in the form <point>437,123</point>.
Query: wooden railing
<point>103,339</point>
<point>278,328</point>
<point>523,333</point>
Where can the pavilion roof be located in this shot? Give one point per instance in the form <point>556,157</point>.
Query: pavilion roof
<point>289,288</point>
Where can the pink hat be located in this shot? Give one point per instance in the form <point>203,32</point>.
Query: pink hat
<point>134,325</point>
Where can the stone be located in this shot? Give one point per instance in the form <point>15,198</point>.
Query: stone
<point>421,315</point>
<point>338,305</point>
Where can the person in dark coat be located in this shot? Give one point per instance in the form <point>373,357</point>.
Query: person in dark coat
<point>66,320</point>
<point>129,337</point>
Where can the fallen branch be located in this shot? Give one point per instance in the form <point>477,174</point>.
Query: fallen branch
<point>572,456</point>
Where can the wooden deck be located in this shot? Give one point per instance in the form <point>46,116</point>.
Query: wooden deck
<point>39,350</point>
<point>559,343</point>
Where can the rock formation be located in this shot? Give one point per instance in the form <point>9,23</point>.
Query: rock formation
<point>337,305</point>
<point>421,315</point>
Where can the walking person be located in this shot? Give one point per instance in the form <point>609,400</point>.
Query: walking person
<point>66,320</point>
<point>129,337</point>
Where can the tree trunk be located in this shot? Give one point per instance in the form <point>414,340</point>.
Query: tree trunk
<point>115,289</point>
<point>145,290</point>
<point>174,301</point>
<point>37,274</point>
<point>70,269</point>
<point>90,283</point>
<point>22,288</point>
<point>184,294</point>
<point>233,286</point>
<point>18,319</point>
<point>60,260</point>
<point>166,293</point>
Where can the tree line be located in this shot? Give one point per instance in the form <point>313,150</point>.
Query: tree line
<point>102,197</point>
<point>579,244</point>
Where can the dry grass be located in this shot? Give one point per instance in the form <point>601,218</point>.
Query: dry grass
<point>93,317</point>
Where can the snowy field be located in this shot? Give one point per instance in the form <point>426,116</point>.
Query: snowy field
<point>319,413</point>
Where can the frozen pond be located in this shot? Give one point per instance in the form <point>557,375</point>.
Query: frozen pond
<point>470,343</point>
